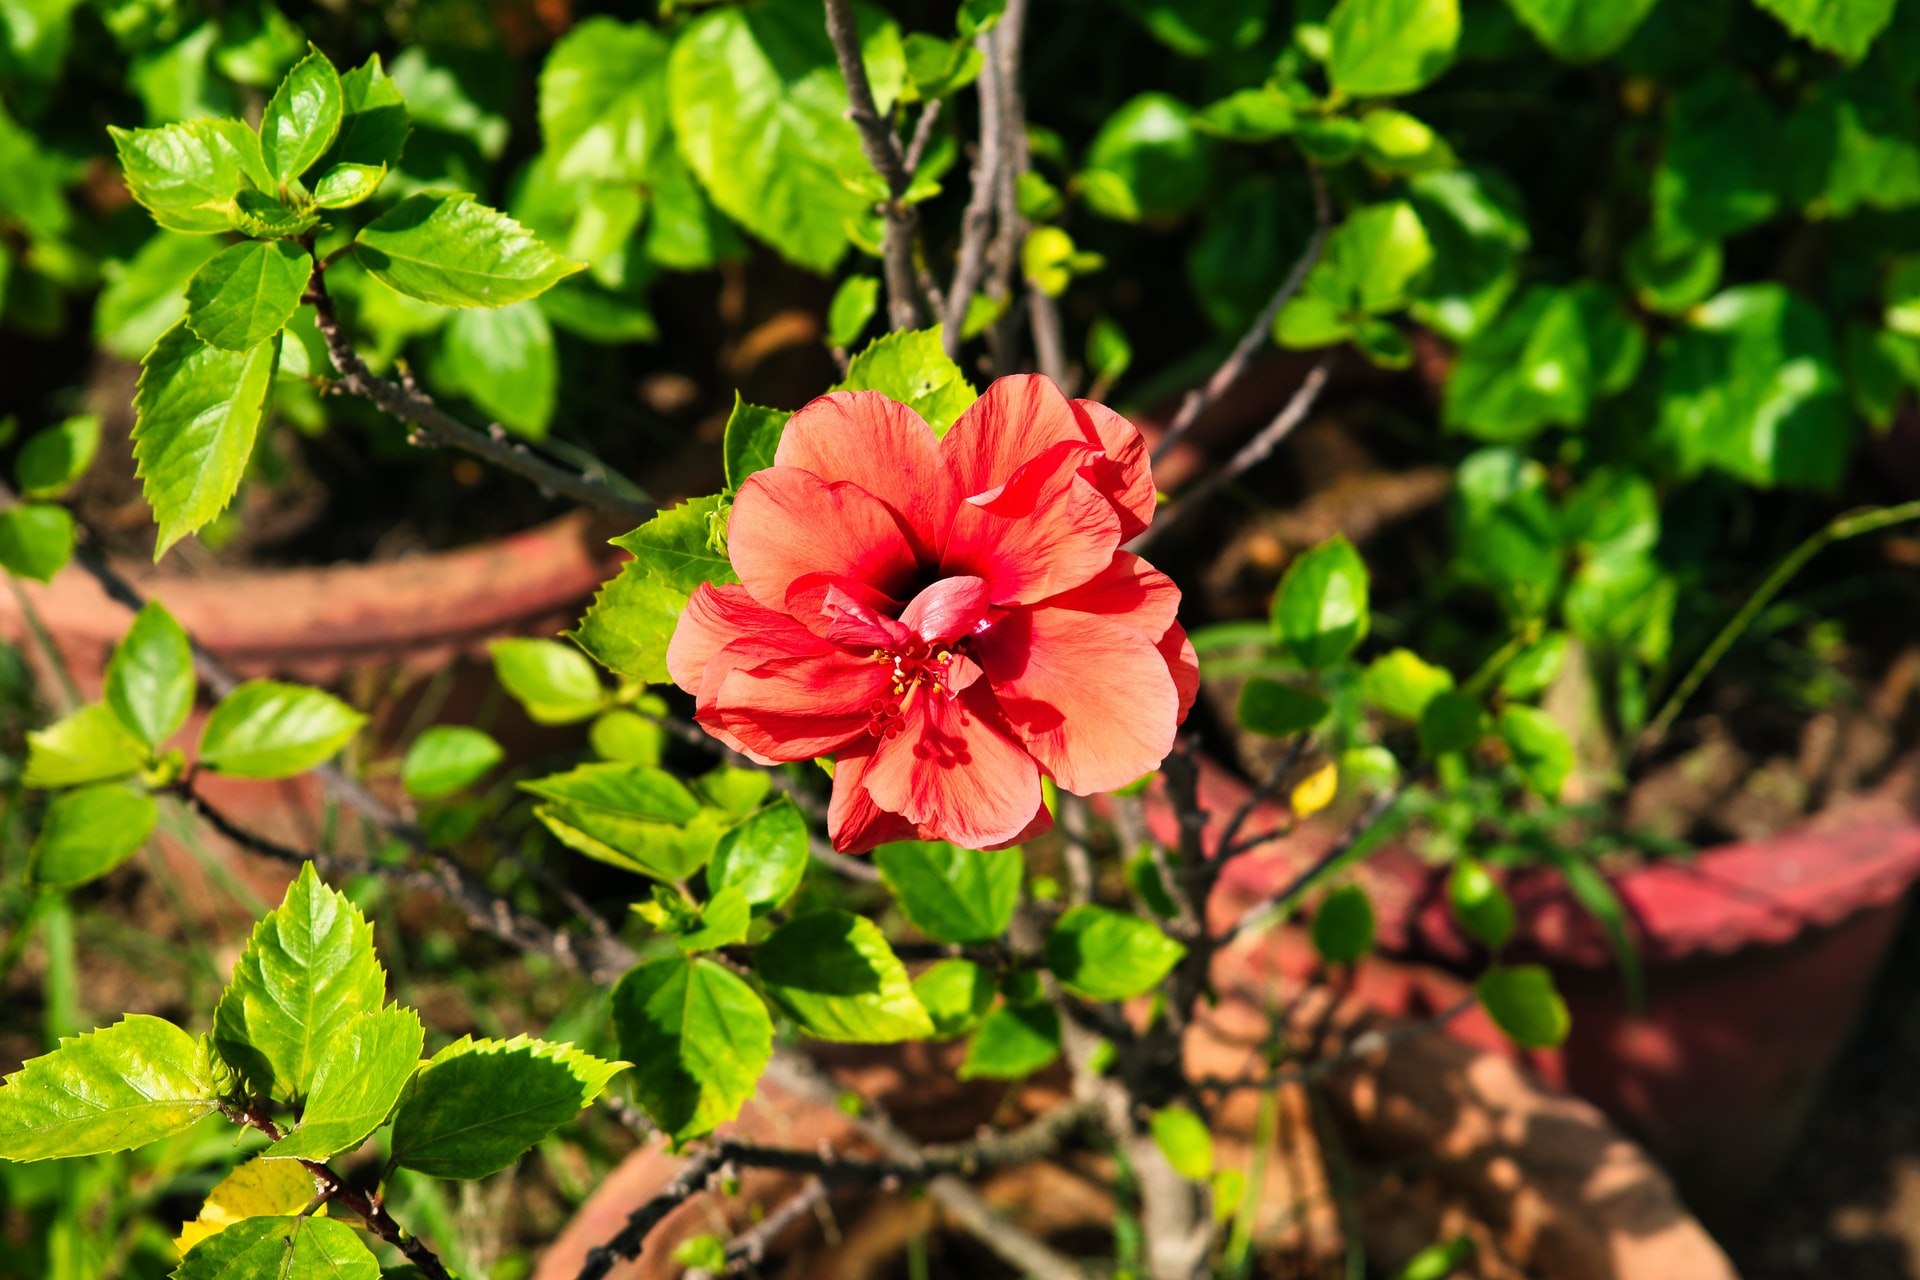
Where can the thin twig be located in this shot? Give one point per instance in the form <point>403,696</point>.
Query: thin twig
<point>1251,454</point>
<point>1371,813</point>
<point>883,153</point>
<point>1365,1045</point>
<point>434,426</point>
<point>1235,364</point>
<point>922,136</point>
<point>1049,345</point>
<point>976,225</point>
<point>748,1250</point>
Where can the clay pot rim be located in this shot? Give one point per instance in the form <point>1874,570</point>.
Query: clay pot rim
<point>1860,852</point>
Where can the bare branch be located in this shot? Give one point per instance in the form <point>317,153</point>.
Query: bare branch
<point>1251,454</point>
<point>434,426</point>
<point>748,1250</point>
<point>976,225</point>
<point>1374,810</point>
<point>1235,364</point>
<point>883,153</point>
<point>922,135</point>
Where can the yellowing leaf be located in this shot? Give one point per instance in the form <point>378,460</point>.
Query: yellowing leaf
<point>1315,792</point>
<point>259,1188</point>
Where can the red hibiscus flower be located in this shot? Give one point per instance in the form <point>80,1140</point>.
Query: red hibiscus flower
<point>948,619</point>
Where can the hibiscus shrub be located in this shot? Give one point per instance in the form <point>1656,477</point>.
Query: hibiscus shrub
<point>885,735</point>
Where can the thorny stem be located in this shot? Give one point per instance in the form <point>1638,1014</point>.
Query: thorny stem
<point>1235,364</point>
<point>432,425</point>
<point>883,153</point>
<point>330,1187</point>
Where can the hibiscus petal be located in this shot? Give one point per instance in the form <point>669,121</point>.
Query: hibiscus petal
<point>1015,420</point>
<point>955,773</point>
<point>1039,824</point>
<point>1183,663</point>
<point>881,445</point>
<point>855,823</point>
<point>1092,698</point>
<point>716,617</point>
<point>846,612</point>
<point>796,708</point>
<point>788,523</point>
<point>947,609</point>
<point>1128,590</point>
<point>1125,475</point>
<point>1045,532</point>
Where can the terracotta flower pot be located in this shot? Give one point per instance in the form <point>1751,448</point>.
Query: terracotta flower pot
<point>1758,957</point>
<point>1541,1181</point>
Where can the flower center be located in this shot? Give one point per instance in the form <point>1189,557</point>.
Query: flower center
<point>913,665</point>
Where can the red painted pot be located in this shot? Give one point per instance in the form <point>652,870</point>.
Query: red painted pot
<point>1758,958</point>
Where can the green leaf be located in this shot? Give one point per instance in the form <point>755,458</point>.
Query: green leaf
<point>452,1124</point>
<point>1855,142</point>
<point>1183,1138</point>
<point>1672,282</point>
<point>503,359</point>
<point>699,1038</point>
<point>1582,30</point>
<point>1438,1261</point>
<point>848,315</point>
<point>53,459</point>
<point>446,249</point>
<point>1452,722</point>
<point>446,759</point>
<point>1544,363</point>
<point>1320,612</point>
<point>627,736</point>
<point>1474,222</point>
<point>736,791</point>
<point>344,185</point>
<point>1105,955</point>
<point>89,831</point>
<point>835,976</point>
<point>1015,1040</point>
<point>1722,169</point>
<point>289,1248</point>
<point>195,414</point>
<point>145,295</point>
<point>248,293</point>
<point>373,119</point>
<point>1480,904</point>
<point>1845,27</point>
<point>1535,667</point>
<point>356,1083</point>
<point>753,434</point>
<point>36,540</point>
<point>952,894</point>
<point>135,1082</point>
<point>764,856</point>
<point>186,175</point>
<point>1147,154</point>
<point>1109,354</point>
<point>759,114</point>
<point>302,118</point>
<point>260,215</point>
<point>1379,48</point>
<point>910,366</point>
<point>938,68</point>
<point>1278,710</point>
<point>149,680</point>
<point>555,682</point>
<point>1522,1002</point>
<point>1540,748</point>
<point>956,995</point>
<point>678,545</point>
<point>90,745</point>
<point>1751,387</point>
<point>1401,683</point>
<point>1249,115</point>
<point>1372,265</point>
<point>631,816</point>
<point>1395,143</point>
<point>603,101</point>
<point>266,729</point>
<point>306,972</point>
<point>1343,925</point>
<point>977,16</point>
<point>724,921</point>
